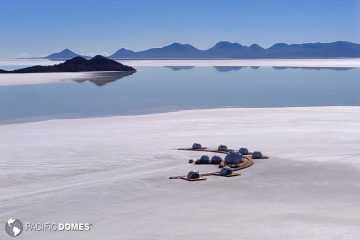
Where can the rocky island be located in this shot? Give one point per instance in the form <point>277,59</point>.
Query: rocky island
<point>78,64</point>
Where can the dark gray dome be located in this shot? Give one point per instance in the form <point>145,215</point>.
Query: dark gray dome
<point>244,151</point>
<point>193,175</point>
<point>216,159</point>
<point>204,159</point>
<point>257,155</point>
<point>196,146</point>
<point>233,158</point>
<point>222,148</point>
<point>225,172</point>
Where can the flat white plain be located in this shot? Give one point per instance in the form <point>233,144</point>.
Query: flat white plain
<point>113,173</point>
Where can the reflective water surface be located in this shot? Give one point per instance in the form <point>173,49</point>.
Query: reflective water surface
<point>161,89</point>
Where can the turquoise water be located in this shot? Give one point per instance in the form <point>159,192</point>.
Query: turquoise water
<point>162,89</point>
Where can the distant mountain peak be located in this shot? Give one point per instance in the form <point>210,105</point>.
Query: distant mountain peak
<point>178,45</point>
<point>125,49</point>
<point>122,53</point>
<point>62,55</point>
<point>174,44</point>
<point>223,44</point>
<point>279,45</point>
<point>256,46</point>
<point>66,50</point>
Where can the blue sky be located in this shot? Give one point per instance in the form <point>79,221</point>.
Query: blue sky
<point>36,28</point>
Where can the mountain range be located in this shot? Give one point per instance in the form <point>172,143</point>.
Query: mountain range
<point>233,50</point>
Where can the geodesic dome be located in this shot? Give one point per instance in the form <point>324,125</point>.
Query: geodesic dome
<point>216,159</point>
<point>196,146</point>
<point>204,159</point>
<point>193,175</point>
<point>233,158</point>
<point>244,151</point>
<point>222,148</point>
<point>257,155</point>
<point>225,172</point>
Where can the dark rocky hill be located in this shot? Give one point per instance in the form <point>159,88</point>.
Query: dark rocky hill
<point>77,64</point>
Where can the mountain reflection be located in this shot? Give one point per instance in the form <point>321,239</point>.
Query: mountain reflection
<point>179,68</point>
<point>227,68</point>
<point>315,68</point>
<point>102,78</point>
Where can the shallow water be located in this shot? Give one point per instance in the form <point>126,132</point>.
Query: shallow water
<point>162,89</point>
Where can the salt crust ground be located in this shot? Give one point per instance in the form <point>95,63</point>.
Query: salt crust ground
<point>113,173</point>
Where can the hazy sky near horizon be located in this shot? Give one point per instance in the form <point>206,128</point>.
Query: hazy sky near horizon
<point>36,28</point>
